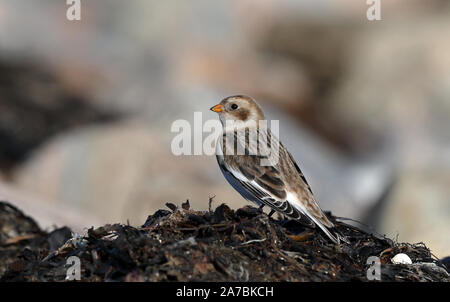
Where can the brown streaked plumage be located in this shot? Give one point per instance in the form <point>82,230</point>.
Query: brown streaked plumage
<point>280,185</point>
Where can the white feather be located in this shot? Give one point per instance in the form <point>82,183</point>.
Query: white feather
<point>293,200</point>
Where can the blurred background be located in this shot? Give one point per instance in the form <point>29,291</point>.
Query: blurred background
<point>364,106</point>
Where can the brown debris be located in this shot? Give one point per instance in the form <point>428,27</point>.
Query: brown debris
<point>188,245</point>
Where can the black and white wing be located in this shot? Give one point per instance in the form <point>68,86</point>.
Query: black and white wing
<point>263,186</point>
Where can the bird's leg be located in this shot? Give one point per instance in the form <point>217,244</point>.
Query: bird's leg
<point>304,236</point>
<point>271,212</point>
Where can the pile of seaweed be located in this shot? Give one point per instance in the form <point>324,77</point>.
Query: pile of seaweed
<point>181,244</point>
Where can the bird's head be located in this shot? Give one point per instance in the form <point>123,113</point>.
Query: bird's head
<point>238,108</point>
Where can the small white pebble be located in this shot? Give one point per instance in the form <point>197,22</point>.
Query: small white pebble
<point>401,259</point>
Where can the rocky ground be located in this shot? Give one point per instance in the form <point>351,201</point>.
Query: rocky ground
<point>181,244</point>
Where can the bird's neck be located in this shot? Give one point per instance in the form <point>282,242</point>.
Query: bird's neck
<point>236,125</point>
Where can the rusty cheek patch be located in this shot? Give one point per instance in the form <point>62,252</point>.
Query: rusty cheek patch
<point>242,114</point>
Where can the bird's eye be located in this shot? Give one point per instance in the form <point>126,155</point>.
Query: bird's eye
<point>234,106</point>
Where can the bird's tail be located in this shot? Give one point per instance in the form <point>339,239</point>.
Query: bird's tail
<point>324,224</point>
<point>334,236</point>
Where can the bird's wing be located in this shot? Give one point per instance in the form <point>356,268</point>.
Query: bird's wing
<point>261,184</point>
<point>300,173</point>
<point>314,212</point>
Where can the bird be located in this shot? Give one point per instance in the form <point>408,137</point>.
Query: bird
<point>278,183</point>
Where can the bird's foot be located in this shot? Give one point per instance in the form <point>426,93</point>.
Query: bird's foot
<point>302,236</point>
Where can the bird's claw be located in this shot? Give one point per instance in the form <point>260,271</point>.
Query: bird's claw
<point>301,237</point>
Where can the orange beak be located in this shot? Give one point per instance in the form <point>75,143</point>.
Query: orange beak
<point>217,108</point>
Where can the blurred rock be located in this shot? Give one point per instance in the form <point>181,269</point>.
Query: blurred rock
<point>419,210</point>
<point>320,49</point>
<point>398,84</point>
<point>265,77</point>
<point>364,75</point>
<point>47,214</point>
<point>34,105</point>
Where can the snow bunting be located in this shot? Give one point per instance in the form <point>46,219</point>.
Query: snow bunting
<point>280,184</point>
